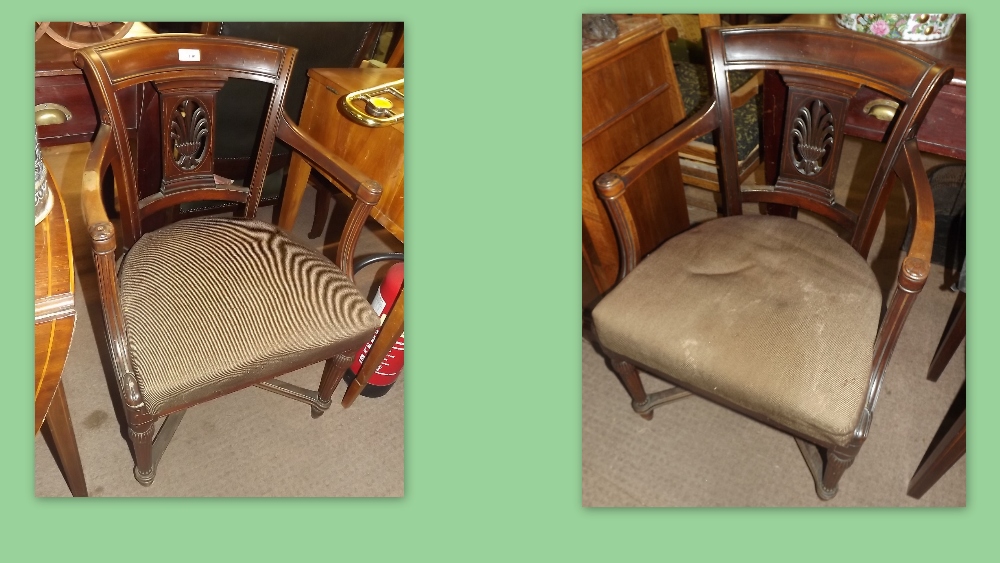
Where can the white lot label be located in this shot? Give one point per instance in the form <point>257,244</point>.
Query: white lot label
<point>189,54</point>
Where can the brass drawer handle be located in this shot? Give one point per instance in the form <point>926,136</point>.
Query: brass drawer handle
<point>881,109</point>
<point>51,114</point>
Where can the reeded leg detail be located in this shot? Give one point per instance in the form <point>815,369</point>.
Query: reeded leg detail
<point>142,442</point>
<point>835,467</point>
<point>333,373</point>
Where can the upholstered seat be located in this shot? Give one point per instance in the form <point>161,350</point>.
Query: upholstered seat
<point>717,308</point>
<point>212,304</point>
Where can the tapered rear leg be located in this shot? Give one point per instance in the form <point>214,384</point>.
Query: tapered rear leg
<point>629,377</point>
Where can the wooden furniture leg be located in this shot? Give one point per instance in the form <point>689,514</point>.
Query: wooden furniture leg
<point>391,329</point>
<point>950,449</point>
<point>295,186</point>
<point>953,336</point>
<point>322,212</point>
<point>61,430</point>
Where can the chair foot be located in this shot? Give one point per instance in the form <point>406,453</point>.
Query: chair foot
<point>144,479</point>
<point>318,410</point>
<point>629,377</point>
<point>142,442</point>
<point>827,478</point>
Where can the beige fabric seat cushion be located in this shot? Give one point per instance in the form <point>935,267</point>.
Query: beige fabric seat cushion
<point>212,304</point>
<point>770,313</point>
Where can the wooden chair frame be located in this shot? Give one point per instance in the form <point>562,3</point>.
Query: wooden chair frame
<point>113,69</point>
<point>825,65</point>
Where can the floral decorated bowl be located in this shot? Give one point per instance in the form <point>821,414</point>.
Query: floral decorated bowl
<point>902,27</point>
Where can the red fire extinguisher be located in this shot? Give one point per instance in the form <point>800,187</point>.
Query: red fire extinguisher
<point>392,365</point>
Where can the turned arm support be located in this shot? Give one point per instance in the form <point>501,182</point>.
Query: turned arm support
<point>365,190</point>
<point>611,186</point>
<point>912,274</point>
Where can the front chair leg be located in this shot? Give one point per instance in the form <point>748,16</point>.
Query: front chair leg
<point>836,464</point>
<point>629,377</point>
<point>827,476</point>
<point>141,435</point>
<point>333,372</point>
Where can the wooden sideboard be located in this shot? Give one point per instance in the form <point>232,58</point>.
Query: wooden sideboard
<point>629,98</point>
<point>62,87</point>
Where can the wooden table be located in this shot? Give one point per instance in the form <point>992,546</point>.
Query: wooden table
<point>375,151</point>
<point>943,129</point>
<point>55,317</point>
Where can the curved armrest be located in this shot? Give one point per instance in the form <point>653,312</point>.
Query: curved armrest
<point>357,182</point>
<point>612,185</point>
<point>700,123</point>
<point>912,274</point>
<point>366,191</point>
<point>102,233</point>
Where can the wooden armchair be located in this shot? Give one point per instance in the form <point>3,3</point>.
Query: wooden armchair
<point>206,306</point>
<point>767,315</point>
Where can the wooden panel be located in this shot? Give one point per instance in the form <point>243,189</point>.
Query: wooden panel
<point>943,130</point>
<point>635,75</point>
<point>70,91</point>
<point>630,97</point>
<point>375,151</point>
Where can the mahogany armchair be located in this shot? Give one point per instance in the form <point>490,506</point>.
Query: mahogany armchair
<point>770,316</point>
<point>206,306</point>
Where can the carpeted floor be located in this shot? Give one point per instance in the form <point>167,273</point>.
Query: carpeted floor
<point>695,453</point>
<point>249,443</point>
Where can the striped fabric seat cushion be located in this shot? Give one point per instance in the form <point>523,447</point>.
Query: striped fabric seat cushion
<point>213,304</point>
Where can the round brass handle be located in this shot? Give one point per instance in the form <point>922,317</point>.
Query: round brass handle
<point>51,114</point>
<point>883,110</point>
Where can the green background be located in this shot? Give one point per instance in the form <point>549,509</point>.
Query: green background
<point>493,393</point>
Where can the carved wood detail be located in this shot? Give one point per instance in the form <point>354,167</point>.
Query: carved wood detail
<point>187,111</point>
<point>189,128</point>
<point>812,141</point>
<point>812,137</point>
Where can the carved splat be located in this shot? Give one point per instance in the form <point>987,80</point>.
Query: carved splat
<point>813,138</point>
<point>189,128</point>
<point>187,111</point>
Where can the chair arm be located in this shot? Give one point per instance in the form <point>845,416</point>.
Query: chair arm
<point>95,216</point>
<point>102,238</point>
<point>612,185</point>
<point>702,122</point>
<point>912,274</point>
<point>343,172</point>
<point>366,191</point>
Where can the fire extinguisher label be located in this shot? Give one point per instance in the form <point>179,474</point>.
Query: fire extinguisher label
<point>391,367</point>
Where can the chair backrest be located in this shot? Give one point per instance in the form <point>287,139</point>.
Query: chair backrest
<point>173,80</point>
<point>823,70</point>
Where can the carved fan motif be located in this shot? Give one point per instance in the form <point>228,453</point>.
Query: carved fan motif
<point>812,135</point>
<point>189,133</point>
